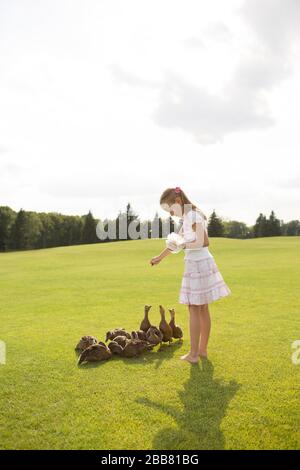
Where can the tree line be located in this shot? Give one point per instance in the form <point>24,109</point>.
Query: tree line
<point>25,230</point>
<point>264,227</point>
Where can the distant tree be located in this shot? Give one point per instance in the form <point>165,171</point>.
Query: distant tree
<point>44,240</point>
<point>250,232</point>
<point>18,231</point>
<point>291,228</point>
<point>273,226</point>
<point>215,226</point>
<point>235,229</point>
<point>51,230</point>
<point>260,228</point>
<point>130,218</point>
<point>7,218</point>
<point>264,227</point>
<point>89,229</point>
<point>33,229</point>
<point>75,230</point>
<point>26,231</point>
<point>71,230</point>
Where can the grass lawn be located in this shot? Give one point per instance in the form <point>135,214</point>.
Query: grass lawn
<point>246,396</point>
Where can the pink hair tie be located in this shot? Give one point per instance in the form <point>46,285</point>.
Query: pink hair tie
<point>177,190</point>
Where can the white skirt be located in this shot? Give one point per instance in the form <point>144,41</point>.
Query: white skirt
<point>202,282</point>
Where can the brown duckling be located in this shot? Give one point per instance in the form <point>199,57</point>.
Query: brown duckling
<point>117,332</point>
<point>154,336</point>
<point>85,342</point>
<point>135,348</point>
<point>135,337</point>
<point>115,348</point>
<point>164,327</point>
<point>145,324</point>
<point>176,330</point>
<point>140,334</point>
<point>95,353</point>
<point>121,340</point>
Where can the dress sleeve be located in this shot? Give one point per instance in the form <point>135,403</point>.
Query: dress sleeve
<point>195,217</point>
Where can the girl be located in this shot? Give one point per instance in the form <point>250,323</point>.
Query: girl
<point>202,281</point>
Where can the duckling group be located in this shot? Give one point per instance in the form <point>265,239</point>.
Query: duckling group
<point>132,344</point>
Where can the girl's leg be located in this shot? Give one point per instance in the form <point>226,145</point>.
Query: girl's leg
<point>205,325</point>
<point>192,355</point>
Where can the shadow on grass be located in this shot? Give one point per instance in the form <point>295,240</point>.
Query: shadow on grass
<point>157,356</point>
<point>204,401</point>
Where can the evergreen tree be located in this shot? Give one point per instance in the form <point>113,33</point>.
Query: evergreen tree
<point>32,230</point>
<point>291,228</point>
<point>130,217</point>
<point>89,229</point>
<point>18,231</point>
<point>51,229</point>
<point>7,217</point>
<point>215,226</point>
<point>274,227</point>
<point>260,229</point>
<point>235,229</point>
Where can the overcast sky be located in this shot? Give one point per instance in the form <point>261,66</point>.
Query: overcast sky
<point>104,102</point>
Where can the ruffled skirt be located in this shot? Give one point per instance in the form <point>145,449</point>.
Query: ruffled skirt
<point>202,283</point>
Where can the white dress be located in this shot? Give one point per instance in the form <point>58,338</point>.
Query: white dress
<point>202,282</point>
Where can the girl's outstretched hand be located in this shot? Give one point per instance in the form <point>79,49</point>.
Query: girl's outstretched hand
<point>162,255</point>
<point>155,260</point>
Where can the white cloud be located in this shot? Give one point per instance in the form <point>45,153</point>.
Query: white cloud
<point>243,102</point>
<point>291,183</point>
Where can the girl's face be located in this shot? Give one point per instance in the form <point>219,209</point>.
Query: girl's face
<point>174,209</point>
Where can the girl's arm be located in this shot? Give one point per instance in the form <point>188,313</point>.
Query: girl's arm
<point>201,238</point>
<point>162,255</point>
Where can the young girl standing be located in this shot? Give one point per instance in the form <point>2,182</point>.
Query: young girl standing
<point>202,281</point>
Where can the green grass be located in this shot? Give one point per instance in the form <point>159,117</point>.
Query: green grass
<point>246,396</point>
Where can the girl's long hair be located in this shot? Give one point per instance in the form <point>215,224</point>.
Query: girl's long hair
<point>169,195</point>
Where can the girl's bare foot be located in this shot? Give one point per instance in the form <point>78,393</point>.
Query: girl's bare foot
<point>202,354</point>
<point>190,358</point>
